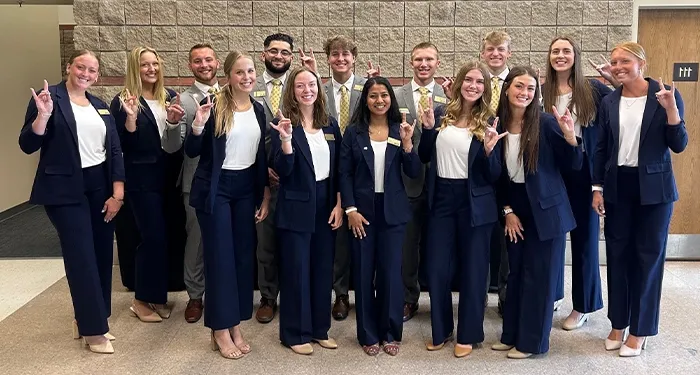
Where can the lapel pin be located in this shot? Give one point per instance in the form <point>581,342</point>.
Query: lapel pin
<point>365,148</point>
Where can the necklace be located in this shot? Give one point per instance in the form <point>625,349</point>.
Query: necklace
<point>632,102</point>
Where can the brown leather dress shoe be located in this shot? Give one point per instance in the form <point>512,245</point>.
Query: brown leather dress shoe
<point>193,311</point>
<point>409,310</point>
<point>341,307</point>
<point>266,311</point>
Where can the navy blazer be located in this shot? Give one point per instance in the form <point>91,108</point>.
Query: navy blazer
<point>545,188</point>
<point>212,152</point>
<point>59,176</point>
<point>656,181</point>
<point>142,148</point>
<point>357,175</point>
<point>296,201</point>
<point>483,173</point>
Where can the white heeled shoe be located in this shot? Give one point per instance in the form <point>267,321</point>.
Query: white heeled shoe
<point>103,348</point>
<point>501,347</point>
<point>615,344</point>
<point>558,304</point>
<point>77,336</point>
<point>626,351</point>
<point>571,324</point>
<point>517,354</point>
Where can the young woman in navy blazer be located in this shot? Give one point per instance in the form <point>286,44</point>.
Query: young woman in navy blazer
<point>145,121</point>
<point>567,87</point>
<point>537,213</point>
<point>641,123</point>
<point>375,149</point>
<point>80,182</point>
<point>230,194</point>
<point>305,147</point>
<point>462,200</point>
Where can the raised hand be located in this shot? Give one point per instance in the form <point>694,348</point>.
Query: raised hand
<point>373,71</point>
<point>604,69</point>
<point>406,130</point>
<point>667,98</point>
<point>202,114</point>
<point>491,137</point>
<point>284,125</point>
<point>44,103</point>
<point>514,228</point>
<point>427,116</point>
<point>356,223</point>
<point>447,86</point>
<point>130,104</point>
<point>308,61</point>
<point>174,111</point>
<point>566,124</point>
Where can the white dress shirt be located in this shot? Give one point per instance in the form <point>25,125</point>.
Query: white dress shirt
<point>452,152</point>
<point>516,169</point>
<point>204,88</point>
<point>92,134</point>
<point>320,154</point>
<point>336,91</point>
<point>242,141</point>
<point>379,149</point>
<point>631,113</point>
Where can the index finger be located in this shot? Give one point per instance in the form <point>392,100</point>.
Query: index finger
<point>301,52</point>
<point>280,115</point>
<point>555,112</point>
<point>661,83</point>
<point>495,122</point>
<point>46,86</point>
<point>311,51</point>
<point>177,98</point>
<point>35,96</point>
<point>604,58</point>
<point>403,116</point>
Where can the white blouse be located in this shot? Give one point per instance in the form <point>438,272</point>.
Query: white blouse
<point>379,149</point>
<point>159,113</point>
<point>92,135</point>
<point>452,152</point>
<point>242,141</point>
<point>320,154</point>
<point>631,113</point>
<point>516,169</point>
<point>562,104</point>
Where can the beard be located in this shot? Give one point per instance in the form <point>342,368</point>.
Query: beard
<point>275,70</point>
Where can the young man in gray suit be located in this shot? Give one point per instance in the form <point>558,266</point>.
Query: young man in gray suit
<point>269,86</point>
<point>425,62</point>
<point>204,65</point>
<point>343,93</point>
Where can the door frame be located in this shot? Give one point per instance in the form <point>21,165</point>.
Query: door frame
<point>657,4</point>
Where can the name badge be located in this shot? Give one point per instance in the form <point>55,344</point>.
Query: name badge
<point>259,94</point>
<point>103,111</point>
<point>330,137</point>
<point>393,141</point>
<point>358,87</point>
<point>404,110</point>
<point>440,99</point>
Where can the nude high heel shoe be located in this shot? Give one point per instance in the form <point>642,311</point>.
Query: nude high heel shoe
<point>614,344</point>
<point>103,348</point>
<point>148,316</point>
<point>626,351</point>
<point>77,336</point>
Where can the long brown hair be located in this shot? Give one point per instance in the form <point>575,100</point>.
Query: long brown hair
<point>582,96</point>
<point>225,102</point>
<point>530,134</point>
<point>291,105</point>
<point>480,112</point>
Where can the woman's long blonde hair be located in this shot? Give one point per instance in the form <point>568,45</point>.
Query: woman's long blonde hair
<point>480,112</point>
<point>225,102</point>
<point>133,77</point>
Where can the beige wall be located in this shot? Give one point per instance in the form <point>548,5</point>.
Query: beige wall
<point>34,45</point>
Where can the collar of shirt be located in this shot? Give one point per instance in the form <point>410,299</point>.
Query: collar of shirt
<point>268,78</point>
<point>415,86</point>
<point>204,88</point>
<point>347,84</point>
<point>503,74</point>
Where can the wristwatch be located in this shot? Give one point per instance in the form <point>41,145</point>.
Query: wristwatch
<point>507,211</point>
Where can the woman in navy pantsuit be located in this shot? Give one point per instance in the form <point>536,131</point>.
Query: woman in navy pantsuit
<point>567,87</point>
<point>146,121</point>
<point>537,211</point>
<point>305,146</point>
<point>462,200</point>
<point>230,195</point>
<point>80,182</point>
<point>641,123</point>
<point>375,149</point>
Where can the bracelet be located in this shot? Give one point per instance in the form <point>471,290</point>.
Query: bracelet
<point>45,115</point>
<point>286,139</point>
<point>171,123</point>
<point>350,210</point>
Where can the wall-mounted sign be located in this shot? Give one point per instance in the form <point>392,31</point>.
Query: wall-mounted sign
<point>685,72</point>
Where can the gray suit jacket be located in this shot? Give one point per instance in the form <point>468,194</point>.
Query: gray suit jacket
<point>404,97</point>
<point>261,95</point>
<point>188,101</point>
<point>357,85</point>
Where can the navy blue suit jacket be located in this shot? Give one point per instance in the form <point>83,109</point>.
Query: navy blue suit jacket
<point>545,188</point>
<point>59,176</point>
<point>296,200</point>
<point>483,174</point>
<point>142,148</point>
<point>357,175</point>
<point>212,152</point>
<point>656,181</point>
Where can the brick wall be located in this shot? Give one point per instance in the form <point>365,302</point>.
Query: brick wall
<point>385,31</point>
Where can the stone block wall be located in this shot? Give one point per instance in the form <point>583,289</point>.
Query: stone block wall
<point>67,44</point>
<point>384,30</point>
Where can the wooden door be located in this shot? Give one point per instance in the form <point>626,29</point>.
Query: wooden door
<point>671,36</point>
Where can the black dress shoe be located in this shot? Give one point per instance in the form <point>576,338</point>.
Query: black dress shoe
<point>341,307</point>
<point>409,310</point>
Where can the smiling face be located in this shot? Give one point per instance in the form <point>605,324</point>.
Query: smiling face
<point>521,91</point>
<point>83,71</point>
<point>378,100</point>
<point>496,56</point>
<point>425,63</point>
<point>305,89</point>
<point>472,86</point>
<point>625,66</point>
<point>203,64</point>
<point>561,55</point>
<point>242,75</point>
<point>341,60</point>
<point>149,66</point>
<point>278,57</point>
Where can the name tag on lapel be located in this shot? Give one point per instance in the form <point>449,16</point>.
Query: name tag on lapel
<point>393,141</point>
<point>330,137</point>
<point>259,94</point>
<point>358,87</point>
<point>404,110</point>
<point>103,111</point>
<point>440,99</point>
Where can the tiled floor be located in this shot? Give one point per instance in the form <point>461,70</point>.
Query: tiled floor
<point>36,339</point>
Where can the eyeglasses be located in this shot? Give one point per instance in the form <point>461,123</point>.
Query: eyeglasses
<point>275,52</point>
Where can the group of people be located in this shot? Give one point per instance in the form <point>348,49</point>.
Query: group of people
<point>355,179</point>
